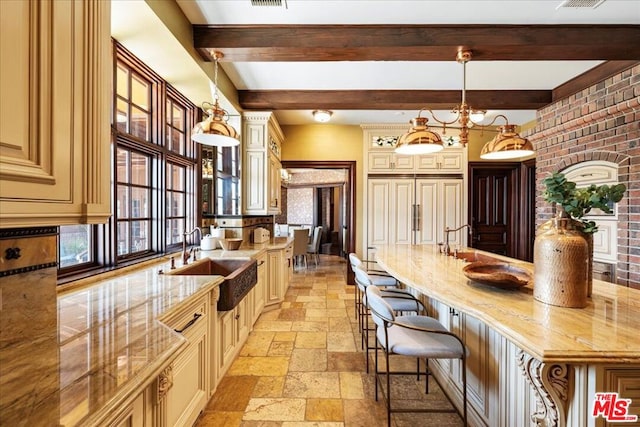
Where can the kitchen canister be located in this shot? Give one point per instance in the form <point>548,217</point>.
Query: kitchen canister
<point>208,243</point>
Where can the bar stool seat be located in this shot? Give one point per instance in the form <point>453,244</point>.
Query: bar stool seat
<point>377,278</point>
<point>414,336</point>
<point>400,303</point>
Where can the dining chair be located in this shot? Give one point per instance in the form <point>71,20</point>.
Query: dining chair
<point>414,336</point>
<point>300,241</point>
<point>314,247</point>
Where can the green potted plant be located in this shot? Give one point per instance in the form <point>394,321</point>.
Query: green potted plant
<point>563,249</point>
<point>577,202</point>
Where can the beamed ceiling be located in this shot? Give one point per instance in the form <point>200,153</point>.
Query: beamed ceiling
<point>379,61</point>
<point>617,44</point>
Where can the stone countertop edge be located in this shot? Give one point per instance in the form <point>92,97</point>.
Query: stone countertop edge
<point>549,333</point>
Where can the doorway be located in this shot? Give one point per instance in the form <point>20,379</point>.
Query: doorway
<point>502,207</point>
<point>344,197</point>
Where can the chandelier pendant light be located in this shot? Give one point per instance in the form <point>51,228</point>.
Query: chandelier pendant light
<point>465,116</point>
<point>419,139</point>
<point>214,129</point>
<point>507,144</point>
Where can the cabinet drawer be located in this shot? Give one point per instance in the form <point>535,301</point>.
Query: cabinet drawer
<point>191,320</point>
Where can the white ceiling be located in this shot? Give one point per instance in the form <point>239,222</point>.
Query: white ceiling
<point>347,75</point>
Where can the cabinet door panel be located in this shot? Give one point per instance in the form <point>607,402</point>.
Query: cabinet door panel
<point>54,150</point>
<point>450,161</point>
<point>427,162</point>
<point>451,210</point>
<point>427,211</point>
<point>401,226</point>
<point>380,161</point>
<point>227,339</point>
<point>188,395</point>
<point>379,215</point>
<point>403,163</point>
<point>255,185</point>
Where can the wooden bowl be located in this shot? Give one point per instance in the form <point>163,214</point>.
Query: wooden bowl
<point>230,244</point>
<point>498,274</point>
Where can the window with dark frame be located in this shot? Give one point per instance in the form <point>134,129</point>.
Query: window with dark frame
<point>154,167</point>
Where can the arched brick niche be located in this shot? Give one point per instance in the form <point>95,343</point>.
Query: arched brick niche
<point>601,122</point>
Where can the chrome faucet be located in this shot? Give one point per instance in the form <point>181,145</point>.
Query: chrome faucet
<point>447,250</point>
<point>185,254</point>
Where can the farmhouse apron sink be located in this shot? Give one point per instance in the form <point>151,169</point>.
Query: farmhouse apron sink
<point>240,276</point>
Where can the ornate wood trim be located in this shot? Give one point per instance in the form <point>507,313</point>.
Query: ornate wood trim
<point>552,386</point>
<point>164,382</point>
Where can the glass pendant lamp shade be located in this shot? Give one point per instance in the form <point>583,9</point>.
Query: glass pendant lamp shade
<point>507,145</point>
<point>214,130</point>
<point>419,139</point>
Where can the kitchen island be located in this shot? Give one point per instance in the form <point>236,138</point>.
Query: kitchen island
<point>529,363</point>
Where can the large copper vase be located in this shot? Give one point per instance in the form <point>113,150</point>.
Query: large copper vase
<point>561,259</point>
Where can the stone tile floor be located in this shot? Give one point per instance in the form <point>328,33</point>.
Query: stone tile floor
<point>302,365</point>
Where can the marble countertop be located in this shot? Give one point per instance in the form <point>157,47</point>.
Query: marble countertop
<point>606,331</point>
<point>111,341</point>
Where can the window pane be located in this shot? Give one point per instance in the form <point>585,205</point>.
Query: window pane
<point>122,173</point>
<point>75,245</point>
<point>176,177</point>
<point>123,238</point>
<point>178,118</point>
<point>122,116</point>
<point>139,169</point>
<point>177,205</point>
<point>123,82</point>
<point>140,92</point>
<point>139,233</point>
<point>175,228</point>
<point>122,203</point>
<point>139,123</point>
<point>139,205</point>
<point>177,142</point>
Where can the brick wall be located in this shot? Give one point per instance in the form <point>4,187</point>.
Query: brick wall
<point>601,122</point>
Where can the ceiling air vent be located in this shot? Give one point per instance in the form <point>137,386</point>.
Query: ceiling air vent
<point>266,2</point>
<point>590,4</point>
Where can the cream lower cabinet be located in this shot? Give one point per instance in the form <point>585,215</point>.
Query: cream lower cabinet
<point>275,277</point>
<point>413,211</point>
<point>136,414</point>
<point>259,292</point>
<point>189,373</point>
<point>234,326</point>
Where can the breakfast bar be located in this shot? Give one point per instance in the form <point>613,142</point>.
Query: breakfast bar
<point>528,362</point>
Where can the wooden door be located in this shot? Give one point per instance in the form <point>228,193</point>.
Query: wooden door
<point>492,207</point>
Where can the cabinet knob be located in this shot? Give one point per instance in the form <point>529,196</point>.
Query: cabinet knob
<point>12,253</point>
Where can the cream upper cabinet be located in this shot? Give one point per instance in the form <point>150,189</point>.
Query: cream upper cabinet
<point>55,112</point>
<point>449,160</point>
<point>388,161</point>
<point>262,138</point>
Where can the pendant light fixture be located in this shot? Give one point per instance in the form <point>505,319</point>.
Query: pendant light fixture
<point>214,130</point>
<point>507,144</point>
<point>419,139</point>
<point>465,116</point>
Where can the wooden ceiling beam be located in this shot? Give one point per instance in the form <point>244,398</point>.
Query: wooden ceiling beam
<point>309,43</point>
<point>391,99</point>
